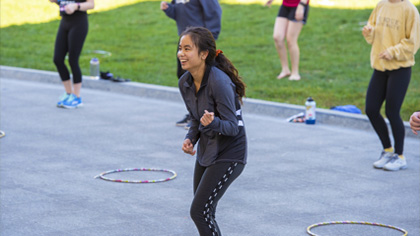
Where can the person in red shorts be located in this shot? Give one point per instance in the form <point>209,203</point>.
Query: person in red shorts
<point>289,22</point>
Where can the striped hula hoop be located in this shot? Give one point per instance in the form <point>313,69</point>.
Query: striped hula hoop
<point>308,230</point>
<point>102,175</point>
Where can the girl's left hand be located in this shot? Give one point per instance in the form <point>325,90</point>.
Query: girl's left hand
<point>188,147</point>
<point>70,8</point>
<point>385,55</point>
<point>207,118</point>
<point>163,6</point>
<point>299,12</point>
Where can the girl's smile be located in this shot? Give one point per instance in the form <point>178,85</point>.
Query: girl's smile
<point>191,60</point>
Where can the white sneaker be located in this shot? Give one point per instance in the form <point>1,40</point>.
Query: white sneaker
<point>383,160</point>
<point>396,163</point>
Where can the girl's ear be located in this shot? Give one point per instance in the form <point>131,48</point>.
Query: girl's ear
<point>204,55</point>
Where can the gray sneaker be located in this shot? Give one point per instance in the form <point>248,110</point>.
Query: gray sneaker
<point>383,159</point>
<point>396,163</point>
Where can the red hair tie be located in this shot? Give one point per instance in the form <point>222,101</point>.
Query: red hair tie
<point>218,51</point>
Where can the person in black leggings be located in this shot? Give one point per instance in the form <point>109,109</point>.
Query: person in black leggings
<point>70,38</point>
<point>212,91</point>
<point>392,87</point>
<point>210,183</point>
<point>393,30</point>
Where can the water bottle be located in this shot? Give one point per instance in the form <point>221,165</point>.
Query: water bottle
<point>94,68</point>
<point>310,116</point>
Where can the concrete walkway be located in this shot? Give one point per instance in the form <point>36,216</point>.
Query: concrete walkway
<point>297,174</point>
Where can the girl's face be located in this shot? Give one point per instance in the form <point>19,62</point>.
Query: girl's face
<point>191,60</point>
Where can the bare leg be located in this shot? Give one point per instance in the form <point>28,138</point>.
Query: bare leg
<point>76,88</point>
<point>280,29</point>
<point>67,86</point>
<point>292,36</point>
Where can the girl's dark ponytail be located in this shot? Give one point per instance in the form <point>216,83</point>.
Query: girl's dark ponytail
<point>204,40</point>
<point>225,65</point>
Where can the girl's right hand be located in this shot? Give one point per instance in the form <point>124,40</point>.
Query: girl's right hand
<point>188,147</point>
<point>70,8</point>
<point>163,6</point>
<point>367,29</point>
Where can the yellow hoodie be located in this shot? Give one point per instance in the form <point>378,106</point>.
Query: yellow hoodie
<point>396,28</point>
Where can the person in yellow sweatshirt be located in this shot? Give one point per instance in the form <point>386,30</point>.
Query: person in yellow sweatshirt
<point>393,30</point>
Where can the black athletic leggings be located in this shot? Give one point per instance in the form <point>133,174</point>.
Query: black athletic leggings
<point>210,183</point>
<point>389,86</point>
<point>70,38</point>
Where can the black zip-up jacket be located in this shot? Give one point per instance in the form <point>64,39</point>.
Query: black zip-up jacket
<point>224,139</point>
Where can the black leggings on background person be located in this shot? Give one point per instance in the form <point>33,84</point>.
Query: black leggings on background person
<point>210,183</point>
<point>389,86</point>
<point>70,38</point>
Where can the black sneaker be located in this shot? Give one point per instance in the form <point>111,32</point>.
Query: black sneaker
<point>106,75</point>
<point>184,121</point>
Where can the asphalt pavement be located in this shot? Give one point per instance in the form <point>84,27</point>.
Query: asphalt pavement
<point>297,174</point>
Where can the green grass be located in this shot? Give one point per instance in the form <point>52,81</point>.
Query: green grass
<point>334,62</point>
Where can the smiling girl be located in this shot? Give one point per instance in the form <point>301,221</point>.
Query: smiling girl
<point>212,92</point>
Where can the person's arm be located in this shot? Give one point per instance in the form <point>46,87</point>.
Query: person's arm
<point>369,29</point>
<point>79,6</point>
<point>168,8</point>
<point>409,44</point>
<point>268,3</point>
<point>224,96</point>
<point>55,1</point>
<point>188,147</point>
<point>193,133</point>
<point>415,122</point>
<point>88,5</point>
<point>300,10</point>
<point>212,13</point>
